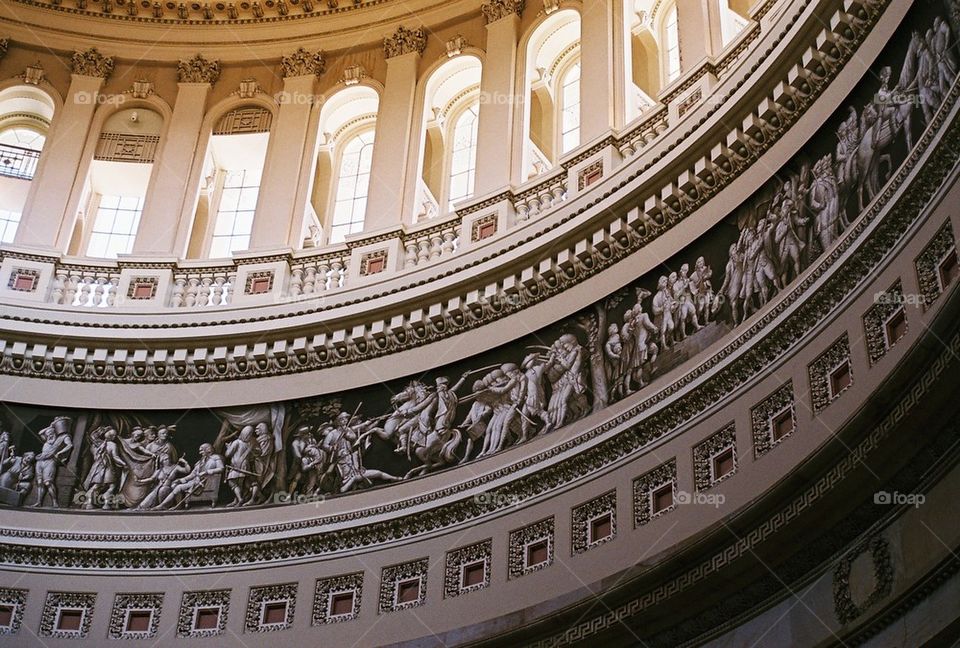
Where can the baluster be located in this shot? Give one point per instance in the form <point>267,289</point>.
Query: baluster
<point>85,294</point>
<point>534,203</point>
<point>410,256</point>
<point>523,210</point>
<point>546,199</point>
<point>336,273</point>
<point>296,282</point>
<point>179,285</point>
<point>436,246</point>
<point>111,289</point>
<point>59,287</point>
<point>70,296</point>
<point>216,291</point>
<point>448,245</point>
<point>193,283</point>
<point>424,254</point>
<point>311,279</point>
<point>203,294</point>
<point>559,193</point>
<point>228,288</point>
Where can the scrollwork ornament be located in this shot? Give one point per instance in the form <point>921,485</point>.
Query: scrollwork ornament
<point>405,41</point>
<point>91,63</point>
<point>198,70</point>
<point>303,63</point>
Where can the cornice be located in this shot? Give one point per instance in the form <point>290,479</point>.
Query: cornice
<point>812,301</point>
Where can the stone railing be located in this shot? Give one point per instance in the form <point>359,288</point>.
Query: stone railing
<point>428,243</point>
<point>202,287</point>
<point>84,286</point>
<point>317,274</point>
<point>546,193</point>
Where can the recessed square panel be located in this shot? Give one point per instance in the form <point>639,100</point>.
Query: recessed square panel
<point>896,327</point>
<point>601,528</point>
<point>949,268</point>
<point>840,379</point>
<point>537,553</point>
<point>341,603</point>
<point>408,591</point>
<point>662,498</point>
<point>138,621</point>
<point>782,424</point>
<point>723,464</point>
<point>69,620</point>
<point>473,574</point>
<point>274,613</point>
<point>6,615</point>
<point>206,619</point>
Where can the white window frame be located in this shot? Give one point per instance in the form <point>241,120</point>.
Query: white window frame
<point>344,140</point>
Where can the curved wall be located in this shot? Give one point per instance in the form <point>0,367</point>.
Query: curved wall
<point>698,488</point>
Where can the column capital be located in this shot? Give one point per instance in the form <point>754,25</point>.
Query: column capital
<point>498,9</point>
<point>91,63</point>
<point>198,70</point>
<point>303,63</point>
<point>405,41</point>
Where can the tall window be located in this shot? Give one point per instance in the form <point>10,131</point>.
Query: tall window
<point>353,181</point>
<point>9,220</point>
<point>19,152</point>
<point>570,105</point>
<point>115,226</point>
<point>463,163</point>
<point>238,200</point>
<point>672,42</point>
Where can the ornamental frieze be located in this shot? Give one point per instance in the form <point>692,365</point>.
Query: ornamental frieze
<point>314,448</point>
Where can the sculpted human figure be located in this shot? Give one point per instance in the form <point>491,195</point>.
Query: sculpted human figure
<point>702,290</point>
<point>663,308</point>
<point>103,480</point>
<point>946,60</point>
<point>264,462</point>
<point>440,443</point>
<point>644,350</point>
<point>566,380</point>
<point>162,481</point>
<point>314,463</point>
<point>686,309</point>
<point>509,392</point>
<point>19,473</point>
<point>340,443</point>
<point>208,465</point>
<point>613,352</point>
<point>732,286</point>
<point>533,411</point>
<point>240,472</point>
<point>476,422</point>
<point>301,439</point>
<point>57,446</point>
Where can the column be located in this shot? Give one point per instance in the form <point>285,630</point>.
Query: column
<point>45,222</point>
<point>387,203</point>
<point>497,101</point>
<point>601,97</point>
<point>277,210</point>
<point>171,189</point>
<point>698,25</point>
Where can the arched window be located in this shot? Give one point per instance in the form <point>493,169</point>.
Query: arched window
<point>353,182</point>
<point>115,225</point>
<point>552,92</point>
<point>671,39</point>
<point>118,179</point>
<point>232,171</point>
<point>463,159</point>
<point>570,108</point>
<point>25,114</point>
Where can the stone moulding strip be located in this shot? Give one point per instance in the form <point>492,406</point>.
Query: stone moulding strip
<point>940,144</point>
<point>614,241</point>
